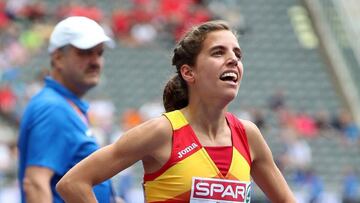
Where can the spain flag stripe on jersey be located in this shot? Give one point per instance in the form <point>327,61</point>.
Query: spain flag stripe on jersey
<point>172,183</point>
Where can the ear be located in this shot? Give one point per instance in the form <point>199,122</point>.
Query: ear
<point>187,73</point>
<point>57,58</point>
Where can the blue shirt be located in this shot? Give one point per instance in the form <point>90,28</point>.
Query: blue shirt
<point>54,134</point>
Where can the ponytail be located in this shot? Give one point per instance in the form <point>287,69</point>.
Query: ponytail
<point>175,95</point>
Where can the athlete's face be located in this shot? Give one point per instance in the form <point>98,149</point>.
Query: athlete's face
<point>81,69</point>
<point>218,69</point>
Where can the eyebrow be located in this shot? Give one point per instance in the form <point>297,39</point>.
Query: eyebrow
<point>90,50</point>
<point>236,49</point>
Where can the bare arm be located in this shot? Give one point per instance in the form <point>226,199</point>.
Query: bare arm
<point>37,184</point>
<point>136,144</point>
<point>263,169</point>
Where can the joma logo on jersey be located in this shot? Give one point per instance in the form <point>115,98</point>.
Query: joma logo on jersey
<point>220,190</point>
<point>187,150</point>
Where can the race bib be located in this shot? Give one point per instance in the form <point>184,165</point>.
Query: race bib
<point>211,190</point>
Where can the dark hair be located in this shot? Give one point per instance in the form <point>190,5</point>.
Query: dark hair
<point>175,95</point>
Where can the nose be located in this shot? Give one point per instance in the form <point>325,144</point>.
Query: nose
<point>233,61</point>
<point>232,58</point>
<point>95,58</point>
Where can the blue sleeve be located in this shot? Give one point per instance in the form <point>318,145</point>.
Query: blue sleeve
<point>49,139</point>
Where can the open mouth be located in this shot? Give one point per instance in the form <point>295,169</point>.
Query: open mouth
<point>229,76</point>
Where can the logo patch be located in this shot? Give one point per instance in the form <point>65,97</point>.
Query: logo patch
<point>187,150</point>
<point>219,190</point>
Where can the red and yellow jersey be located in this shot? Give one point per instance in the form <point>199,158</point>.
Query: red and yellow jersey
<point>190,172</point>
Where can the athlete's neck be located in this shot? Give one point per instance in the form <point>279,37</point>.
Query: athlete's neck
<point>210,127</point>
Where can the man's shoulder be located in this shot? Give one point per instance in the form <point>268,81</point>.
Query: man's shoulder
<point>47,99</point>
<point>48,96</point>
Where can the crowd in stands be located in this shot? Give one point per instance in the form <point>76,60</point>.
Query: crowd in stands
<point>25,26</point>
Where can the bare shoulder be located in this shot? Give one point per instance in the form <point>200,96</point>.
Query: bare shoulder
<point>147,136</point>
<point>251,129</point>
<point>150,142</point>
<point>159,127</point>
<point>257,143</point>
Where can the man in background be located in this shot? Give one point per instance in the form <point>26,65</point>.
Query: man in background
<point>54,131</point>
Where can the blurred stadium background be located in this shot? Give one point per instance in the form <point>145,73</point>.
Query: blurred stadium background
<point>301,84</point>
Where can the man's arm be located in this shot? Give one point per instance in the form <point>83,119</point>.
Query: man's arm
<point>37,184</point>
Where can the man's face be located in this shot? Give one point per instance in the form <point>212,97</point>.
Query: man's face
<point>80,69</point>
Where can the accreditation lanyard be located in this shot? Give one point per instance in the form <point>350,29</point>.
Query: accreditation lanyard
<point>81,115</point>
<point>84,118</point>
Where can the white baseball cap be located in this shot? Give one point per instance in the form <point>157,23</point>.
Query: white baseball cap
<point>81,32</point>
